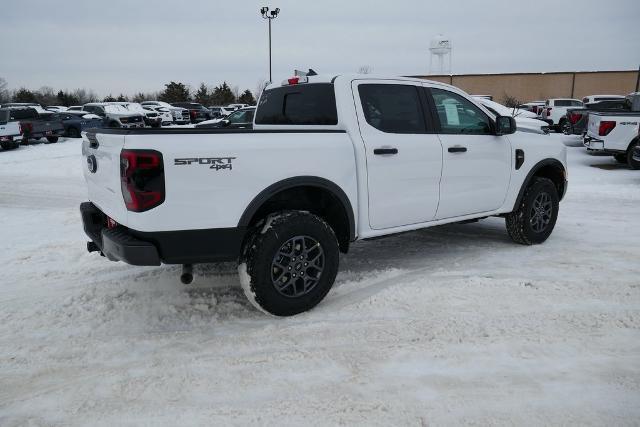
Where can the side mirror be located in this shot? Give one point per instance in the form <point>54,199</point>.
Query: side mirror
<point>225,122</point>
<point>505,125</point>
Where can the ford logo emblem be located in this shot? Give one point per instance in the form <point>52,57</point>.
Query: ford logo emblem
<point>92,163</point>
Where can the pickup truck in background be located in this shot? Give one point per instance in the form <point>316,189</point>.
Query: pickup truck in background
<point>330,160</point>
<point>616,133</point>
<point>197,112</point>
<point>555,110</point>
<point>577,118</point>
<point>115,115</point>
<point>524,122</point>
<point>36,125</point>
<point>10,131</point>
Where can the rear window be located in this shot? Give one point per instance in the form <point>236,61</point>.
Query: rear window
<point>567,103</point>
<point>24,114</point>
<point>305,104</point>
<point>4,116</point>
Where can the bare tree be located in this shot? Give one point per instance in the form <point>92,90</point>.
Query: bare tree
<point>262,83</point>
<point>4,92</point>
<point>365,69</point>
<point>236,92</point>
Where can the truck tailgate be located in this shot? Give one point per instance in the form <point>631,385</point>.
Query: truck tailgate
<point>101,154</point>
<point>594,125</point>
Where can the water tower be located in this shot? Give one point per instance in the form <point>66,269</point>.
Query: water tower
<point>440,47</point>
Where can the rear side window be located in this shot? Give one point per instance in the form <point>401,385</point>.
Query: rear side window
<point>567,103</point>
<point>392,108</point>
<point>306,104</point>
<point>24,114</point>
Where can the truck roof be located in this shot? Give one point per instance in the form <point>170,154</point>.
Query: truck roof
<point>330,78</point>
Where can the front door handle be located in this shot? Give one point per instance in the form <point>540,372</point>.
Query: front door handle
<point>379,151</point>
<point>457,149</point>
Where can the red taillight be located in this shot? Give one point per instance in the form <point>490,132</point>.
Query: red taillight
<point>574,118</point>
<point>548,111</point>
<point>142,179</point>
<point>294,80</point>
<point>26,127</point>
<point>193,113</point>
<point>606,127</point>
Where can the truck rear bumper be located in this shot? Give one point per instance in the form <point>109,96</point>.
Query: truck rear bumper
<point>153,248</point>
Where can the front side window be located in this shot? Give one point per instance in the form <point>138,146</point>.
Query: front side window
<point>458,115</point>
<point>392,108</point>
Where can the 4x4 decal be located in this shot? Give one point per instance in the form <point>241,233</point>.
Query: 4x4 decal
<point>216,163</point>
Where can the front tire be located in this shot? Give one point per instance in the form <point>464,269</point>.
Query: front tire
<point>533,221</point>
<point>52,139</point>
<point>289,263</point>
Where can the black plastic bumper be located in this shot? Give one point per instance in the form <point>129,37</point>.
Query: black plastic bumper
<point>153,248</point>
<point>117,243</point>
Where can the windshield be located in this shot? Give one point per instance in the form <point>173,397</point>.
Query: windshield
<point>116,109</point>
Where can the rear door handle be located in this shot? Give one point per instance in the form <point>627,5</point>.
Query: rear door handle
<point>379,151</point>
<point>457,149</point>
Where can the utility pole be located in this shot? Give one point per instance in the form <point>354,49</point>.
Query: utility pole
<point>264,11</point>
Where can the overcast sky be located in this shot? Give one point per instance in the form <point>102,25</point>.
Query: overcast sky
<point>114,46</point>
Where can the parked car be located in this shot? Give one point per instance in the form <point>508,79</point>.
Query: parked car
<point>180,115</point>
<point>555,111</point>
<point>596,98</point>
<point>524,124</point>
<point>56,108</point>
<point>577,118</point>
<point>217,111</point>
<point>114,115</point>
<point>353,157</point>
<point>616,133</point>
<point>33,105</point>
<point>151,118</point>
<point>75,122</point>
<point>10,131</point>
<point>166,118</point>
<point>240,119</point>
<point>534,106</point>
<point>36,125</point>
<point>197,112</point>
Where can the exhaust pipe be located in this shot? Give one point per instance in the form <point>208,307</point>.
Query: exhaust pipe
<point>92,247</point>
<point>187,274</point>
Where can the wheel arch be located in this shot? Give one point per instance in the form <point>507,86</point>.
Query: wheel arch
<point>318,195</point>
<point>547,168</point>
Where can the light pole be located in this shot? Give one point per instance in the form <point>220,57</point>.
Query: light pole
<point>264,11</point>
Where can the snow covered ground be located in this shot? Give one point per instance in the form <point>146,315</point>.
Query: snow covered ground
<point>443,326</point>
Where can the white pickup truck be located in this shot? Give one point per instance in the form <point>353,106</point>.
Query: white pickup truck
<point>555,110</point>
<point>330,160</point>
<point>10,131</point>
<point>616,133</point>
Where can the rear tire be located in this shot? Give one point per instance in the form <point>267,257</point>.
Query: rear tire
<point>633,164</point>
<point>73,133</point>
<point>52,139</point>
<point>533,221</point>
<point>621,158</point>
<point>289,263</point>
<point>562,124</point>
